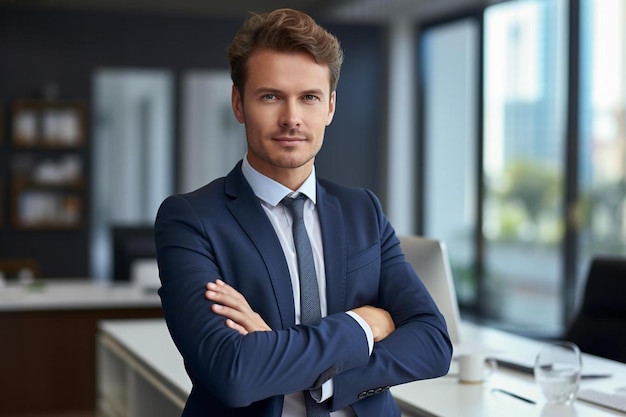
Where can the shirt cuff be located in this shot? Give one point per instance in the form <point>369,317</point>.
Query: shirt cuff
<point>326,391</point>
<point>328,388</point>
<point>366,328</point>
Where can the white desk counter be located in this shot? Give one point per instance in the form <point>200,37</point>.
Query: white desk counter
<point>139,371</point>
<point>447,397</point>
<point>139,357</point>
<point>59,294</point>
<point>48,331</point>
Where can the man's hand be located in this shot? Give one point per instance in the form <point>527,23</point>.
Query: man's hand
<point>233,305</point>
<point>379,320</point>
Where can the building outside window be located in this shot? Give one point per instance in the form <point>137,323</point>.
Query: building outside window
<point>494,157</point>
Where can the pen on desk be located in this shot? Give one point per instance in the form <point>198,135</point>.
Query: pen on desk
<point>594,376</point>
<point>519,397</point>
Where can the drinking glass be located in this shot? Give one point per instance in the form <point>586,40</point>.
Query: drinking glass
<point>557,371</point>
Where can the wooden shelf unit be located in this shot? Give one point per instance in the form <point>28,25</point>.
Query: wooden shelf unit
<point>47,173</point>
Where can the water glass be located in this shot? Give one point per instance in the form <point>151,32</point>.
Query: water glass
<point>557,371</point>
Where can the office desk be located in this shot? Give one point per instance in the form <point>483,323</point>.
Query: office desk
<point>447,397</point>
<point>74,294</point>
<point>47,341</point>
<point>140,371</point>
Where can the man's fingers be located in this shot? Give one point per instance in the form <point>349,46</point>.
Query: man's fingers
<point>231,324</point>
<point>232,305</point>
<point>226,295</point>
<point>380,321</point>
<point>230,313</point>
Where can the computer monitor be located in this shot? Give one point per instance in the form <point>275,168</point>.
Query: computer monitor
<point>130,243</point>
<point>429,259</point>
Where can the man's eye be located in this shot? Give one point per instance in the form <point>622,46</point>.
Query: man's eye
<point>269,97</point>
<point>310,97</point>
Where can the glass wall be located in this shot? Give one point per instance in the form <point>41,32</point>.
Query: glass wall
<point>602,150</point>
<point>450,56</point>
<point>212,139</point>
<point>525,178</point>
<point>132,148</point>
<point>516,261</point>
<point>524,161</point>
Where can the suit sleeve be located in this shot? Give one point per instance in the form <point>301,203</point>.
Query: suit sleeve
<point>419,348</point>
<point>239,370</point>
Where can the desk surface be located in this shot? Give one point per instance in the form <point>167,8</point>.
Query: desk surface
<point>75,294</point>
<point>50,332</point>
<point>447,397</point>
<point>149,341</point>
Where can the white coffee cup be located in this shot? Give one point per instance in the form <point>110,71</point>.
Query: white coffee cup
<point>474,368</point>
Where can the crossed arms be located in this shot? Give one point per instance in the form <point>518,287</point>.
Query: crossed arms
<point>269,360</point>
<point>239,315</point>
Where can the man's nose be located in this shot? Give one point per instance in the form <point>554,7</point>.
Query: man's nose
<point>290,116</point>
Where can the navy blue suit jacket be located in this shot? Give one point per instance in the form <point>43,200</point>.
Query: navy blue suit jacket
<point>221,231</point>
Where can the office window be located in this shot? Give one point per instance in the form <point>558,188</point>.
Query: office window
<point>602,149</point>
<point>133,162</point>
<point>552,152</point>
<point>450,56</point>
<point>523,161</point>
<point>212,139</point>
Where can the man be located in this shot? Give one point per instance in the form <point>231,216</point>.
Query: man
<point>231,268</point>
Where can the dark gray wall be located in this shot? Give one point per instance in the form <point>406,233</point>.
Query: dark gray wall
<point>351,150</point>
<point>63,47</point>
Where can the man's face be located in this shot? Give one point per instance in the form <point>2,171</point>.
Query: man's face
<point>286,106</point>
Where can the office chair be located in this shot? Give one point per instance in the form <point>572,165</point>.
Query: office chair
<point>599,326</point>
<point>429,259</point>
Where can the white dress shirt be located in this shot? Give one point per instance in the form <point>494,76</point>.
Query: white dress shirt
<point>270,194</point>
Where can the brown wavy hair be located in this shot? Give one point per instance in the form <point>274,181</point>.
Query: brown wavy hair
<point>283,30</point>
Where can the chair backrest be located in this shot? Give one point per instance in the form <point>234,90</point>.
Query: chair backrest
<point>598,327</point>
<point>605,290</point>
<point>429,259</point>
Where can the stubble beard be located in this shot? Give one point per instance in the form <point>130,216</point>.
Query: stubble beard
<point>288,158</point>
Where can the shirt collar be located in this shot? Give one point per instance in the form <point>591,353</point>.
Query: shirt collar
<point>272,192</point>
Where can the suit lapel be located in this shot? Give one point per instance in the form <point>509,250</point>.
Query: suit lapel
<point>334,241</point>
<point>246,209</point>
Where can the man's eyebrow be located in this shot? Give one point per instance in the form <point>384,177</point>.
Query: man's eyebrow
<point>270,90</point>
<point>266,90</point>
<point>315,92</point>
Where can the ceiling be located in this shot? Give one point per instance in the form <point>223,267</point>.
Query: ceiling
<point>363,10</point>
<point>208,7</point>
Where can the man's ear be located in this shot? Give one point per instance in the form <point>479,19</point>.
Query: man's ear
<point>331,107</point>
<point>236,100</point>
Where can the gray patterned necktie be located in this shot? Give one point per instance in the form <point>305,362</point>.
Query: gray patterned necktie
<point>309,292</point>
